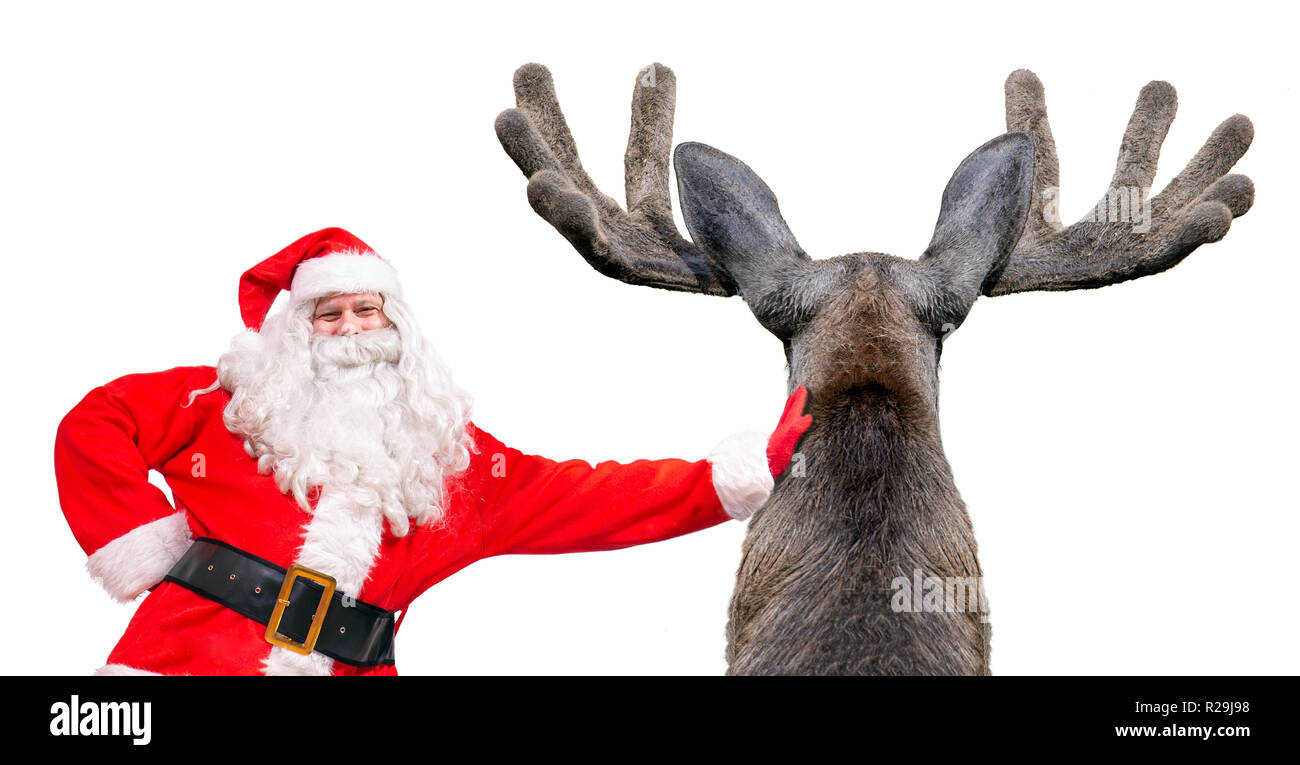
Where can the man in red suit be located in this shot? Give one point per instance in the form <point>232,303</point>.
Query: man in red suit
<point>326,472</point>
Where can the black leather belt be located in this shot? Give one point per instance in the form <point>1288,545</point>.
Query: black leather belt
<point>349,630</point>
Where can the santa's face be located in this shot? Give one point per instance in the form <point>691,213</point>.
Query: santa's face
<point>371,413</point>
<point>349,314</point>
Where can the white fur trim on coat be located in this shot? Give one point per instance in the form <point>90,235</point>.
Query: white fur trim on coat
<point>140,558</point>
<point>342,273</point>
<point>741,476</point>
<point>342,540</point>
<point>122,670</point>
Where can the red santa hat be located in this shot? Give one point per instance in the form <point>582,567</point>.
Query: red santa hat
<point>328,262</point>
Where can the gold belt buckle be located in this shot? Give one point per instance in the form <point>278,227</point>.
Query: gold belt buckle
<point>272,627</point>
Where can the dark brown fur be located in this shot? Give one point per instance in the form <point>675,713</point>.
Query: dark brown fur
<point>875,503</point>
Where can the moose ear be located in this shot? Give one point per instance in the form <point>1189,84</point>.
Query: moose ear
<point>732,215</point>
<point>981,219</point>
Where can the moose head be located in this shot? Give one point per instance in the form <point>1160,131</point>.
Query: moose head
<point>874,509</point>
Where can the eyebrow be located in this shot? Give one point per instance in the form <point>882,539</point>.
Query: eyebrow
<point>334,306</point>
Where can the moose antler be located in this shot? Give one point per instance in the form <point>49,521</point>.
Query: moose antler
<point>1134,235</point>
<point>640,245</point>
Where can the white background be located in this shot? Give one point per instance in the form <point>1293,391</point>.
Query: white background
<point>1126,454</point>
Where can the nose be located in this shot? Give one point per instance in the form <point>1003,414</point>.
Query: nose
<point>351,325</point>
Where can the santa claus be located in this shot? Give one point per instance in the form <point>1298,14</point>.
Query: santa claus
<point>326,472</point>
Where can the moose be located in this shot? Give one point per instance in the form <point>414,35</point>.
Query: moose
<point>816,590</point>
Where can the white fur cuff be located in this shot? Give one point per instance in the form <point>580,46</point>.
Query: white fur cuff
<point>140,558</point>
<point>741,476</point>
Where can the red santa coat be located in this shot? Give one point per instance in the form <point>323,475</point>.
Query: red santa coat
<point>505,502</point>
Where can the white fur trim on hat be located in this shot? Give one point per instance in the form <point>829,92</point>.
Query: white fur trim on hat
<point>343,273</point>
<point>741,476</point>
<point>140,558</point>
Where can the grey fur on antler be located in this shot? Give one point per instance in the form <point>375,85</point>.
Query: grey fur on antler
<point>823,558</point>
<point>640,245</point>
<point>1196,208</point>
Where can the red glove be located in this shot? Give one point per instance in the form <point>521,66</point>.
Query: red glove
<point>781,445</point>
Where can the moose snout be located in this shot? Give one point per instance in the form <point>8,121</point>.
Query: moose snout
<point>867,340</point>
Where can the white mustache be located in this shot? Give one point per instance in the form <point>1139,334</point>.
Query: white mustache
<point>371,347</point>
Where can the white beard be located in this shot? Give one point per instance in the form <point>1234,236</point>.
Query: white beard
<point>374,415</point>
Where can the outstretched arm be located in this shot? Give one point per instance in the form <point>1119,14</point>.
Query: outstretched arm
<point>531,504</point>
